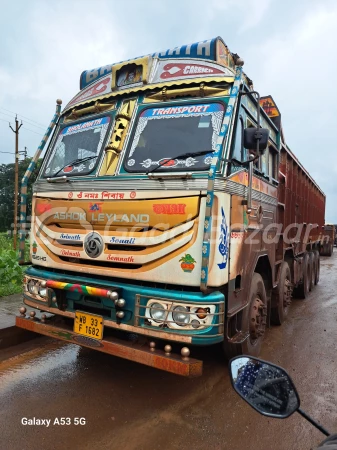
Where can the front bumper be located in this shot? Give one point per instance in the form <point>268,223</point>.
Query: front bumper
<point>155,358</point>
<point>136,298</point>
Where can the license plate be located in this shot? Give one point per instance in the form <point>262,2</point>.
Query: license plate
<point>88,325</point>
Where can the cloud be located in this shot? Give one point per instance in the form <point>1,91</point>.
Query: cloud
<point>289,50</point>
<point>297,68</point>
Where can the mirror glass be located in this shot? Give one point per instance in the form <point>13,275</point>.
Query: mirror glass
<point>266,387</point>
<point>250,140</point>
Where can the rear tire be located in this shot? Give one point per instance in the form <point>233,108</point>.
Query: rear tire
<point>253,320</point>
<point>330,249</point>
<point>303,288</point>
<point>282,296</point>
<point>317,266</point>
<point>312,270</point>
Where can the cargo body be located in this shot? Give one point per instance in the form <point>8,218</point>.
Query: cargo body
<point>150,222</point>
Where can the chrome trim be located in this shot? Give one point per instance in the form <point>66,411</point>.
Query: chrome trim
<point>171,303</point>
<point>144,184</point>
<point>169,176</point>
<point>109,323</point>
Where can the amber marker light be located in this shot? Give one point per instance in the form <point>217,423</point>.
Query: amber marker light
<point>201,313</point>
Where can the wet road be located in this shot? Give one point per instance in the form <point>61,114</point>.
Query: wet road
<point>128,406</point>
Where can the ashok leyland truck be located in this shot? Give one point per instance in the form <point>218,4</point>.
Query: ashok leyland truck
<point>168,213</point>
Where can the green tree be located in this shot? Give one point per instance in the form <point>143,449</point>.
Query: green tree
<point>7,191</point>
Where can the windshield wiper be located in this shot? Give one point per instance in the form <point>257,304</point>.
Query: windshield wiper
<point>74,163</point>
<point>183,155</point>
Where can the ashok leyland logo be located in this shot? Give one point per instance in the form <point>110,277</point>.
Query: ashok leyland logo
<point>93,245</point>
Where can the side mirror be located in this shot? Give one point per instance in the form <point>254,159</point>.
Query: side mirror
<point>253,135</point>
<point>264,386</point>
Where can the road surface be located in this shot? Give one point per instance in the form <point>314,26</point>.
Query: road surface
<point>133,407</point>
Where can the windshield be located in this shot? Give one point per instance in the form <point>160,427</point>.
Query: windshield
<point>76,142</point>
<point>162,134</point>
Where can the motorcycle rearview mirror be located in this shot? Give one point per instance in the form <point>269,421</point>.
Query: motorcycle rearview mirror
<point>267,388</point>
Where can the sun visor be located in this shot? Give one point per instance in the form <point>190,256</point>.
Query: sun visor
<point>212,50</point>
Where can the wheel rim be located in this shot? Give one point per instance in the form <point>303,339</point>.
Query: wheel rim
<point>258,319</point>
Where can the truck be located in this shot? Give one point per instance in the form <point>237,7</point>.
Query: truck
<point>328,240</point>
<point>168,213</point>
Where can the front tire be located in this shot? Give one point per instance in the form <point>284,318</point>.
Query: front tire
<point>253,320</point>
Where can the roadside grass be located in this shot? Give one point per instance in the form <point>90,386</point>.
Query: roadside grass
<point>11,273</point>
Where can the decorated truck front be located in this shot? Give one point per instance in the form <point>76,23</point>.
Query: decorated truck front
<point>143,177</point>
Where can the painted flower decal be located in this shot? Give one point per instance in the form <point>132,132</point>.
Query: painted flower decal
<point>206,224</point>
<point>208,160</point>
<point>80,168</point>
<point>203,274</point>
<point>229,110</point>
<point>224,128</point>
<point>147,163</point>
<point>208,198</point>
<point>204,249</point>
<point>190,162</point>
<point>187,263</point>
<point>131,162</point>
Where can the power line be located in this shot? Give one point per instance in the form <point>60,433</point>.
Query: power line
<point>28,129</point>
<point>40,134</point>
<point>31,120</point>
<point>9,115</point>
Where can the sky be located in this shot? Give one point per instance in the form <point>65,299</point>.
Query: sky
<point>289,49</point>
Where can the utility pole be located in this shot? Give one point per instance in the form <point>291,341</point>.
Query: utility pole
<point>24,153</point>
<point>16,182</point>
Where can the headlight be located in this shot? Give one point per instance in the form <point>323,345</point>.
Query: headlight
<point>43,292</point>
<point>31,287</point>
<point>181,315</point>
<point>157,312</point>
<point>195,323</point>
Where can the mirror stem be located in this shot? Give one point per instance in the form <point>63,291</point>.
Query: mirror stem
<point>313,422</point>
<point>250,171</point>
<point>250,187</point>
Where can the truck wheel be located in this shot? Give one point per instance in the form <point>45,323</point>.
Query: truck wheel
<point>317,266</point>
<point>312,270</point>
<point>303,288</point>
<point>253,320</point>
<point>329,250</point>
<point>282,296</point>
